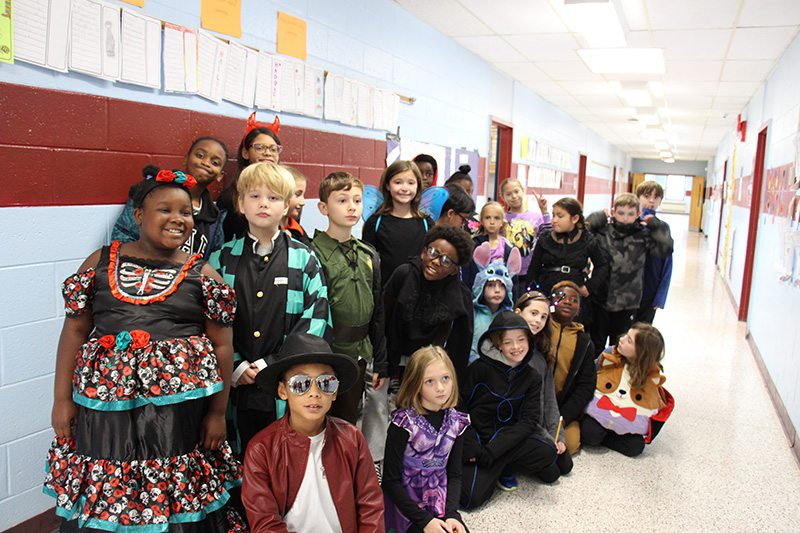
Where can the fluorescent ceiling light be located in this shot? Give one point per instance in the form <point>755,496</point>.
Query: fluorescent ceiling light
<point>656,88</point>
<point>624,60</point>
<point>637,97</point>
<point>669,160</point>
<point>664,112</point>
<point>647,120</point>
<point>600,21</point>
<point>665,154</point>
<point>661,145</point>
<point>658,134</point>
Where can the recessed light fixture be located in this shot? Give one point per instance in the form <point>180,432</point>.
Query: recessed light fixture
<point>647,120</point>
<point>624,60</point>
<point>600,21</point>
<point>658,134</point>
<point>665,155</point>
<point>661,145</point>
<point>669,160</point>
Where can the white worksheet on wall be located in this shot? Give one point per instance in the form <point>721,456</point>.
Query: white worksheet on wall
<point>378,121</point>
<point>299,86</point>
<point>331,109</point>
<point>241,75</point>
<point>140,49</point>
<point>277,83</point>
<point>94,39</point>
<point>263,99</point>
<point>364,119</point>
<point>174,67</point>
<point>288,98</point>
<point>312,97</point>
<point>41,32</point>
<point>212,62</point>
<point>190,61</point>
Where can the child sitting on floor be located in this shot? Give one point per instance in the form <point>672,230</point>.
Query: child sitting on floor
<point>337,490</point>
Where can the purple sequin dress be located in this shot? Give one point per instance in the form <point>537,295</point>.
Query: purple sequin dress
<point>424,463</point>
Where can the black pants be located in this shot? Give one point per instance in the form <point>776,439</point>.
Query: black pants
<point>646,312</point>
<point>594,434</point>
<point>609,326</point>
<point>563,465</point>
<point>346,405</point>
<point>250,422</point>
<point>478,484</point>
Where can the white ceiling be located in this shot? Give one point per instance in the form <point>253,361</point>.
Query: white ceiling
<point>718,52</point>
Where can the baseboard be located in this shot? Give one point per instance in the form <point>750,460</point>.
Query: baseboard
<point>783,415</point>
<point>46,522</point>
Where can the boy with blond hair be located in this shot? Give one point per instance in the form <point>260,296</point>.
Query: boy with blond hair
<point>280,288</point>
<point>657,270</point>
<point>352,271</point>
<point>627,240</point>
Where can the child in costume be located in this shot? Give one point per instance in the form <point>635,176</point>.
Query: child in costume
<point>523,227</point>
<point>291,221</point>
<point>657,270</point>
<point>630,405</point>
<point>458,209</point>
<point>428,169</point>
<point>352,272</point>
<point>205,162</point>
<point>281,290</point>
<point>502,394</point>
<point>492,290</point>
<point>260,144</point>
<point>534,307</point>
<point>142,378</point>
<point>573,368</point>
<point>491,231</point>
<point>397,228</point>
<point>564,252</point>
<point>422,471</point>
<point>627,241</point>
<point>426,304</point>
<point>310,472</point>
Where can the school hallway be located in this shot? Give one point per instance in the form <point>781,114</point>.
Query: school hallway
<point>721,462</point>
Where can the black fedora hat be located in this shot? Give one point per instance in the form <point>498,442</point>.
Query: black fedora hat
<point>304,348</point>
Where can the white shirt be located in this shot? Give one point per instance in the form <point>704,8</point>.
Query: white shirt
<point>313,510</point>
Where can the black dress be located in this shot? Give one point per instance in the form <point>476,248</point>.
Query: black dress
<point>142,383</point>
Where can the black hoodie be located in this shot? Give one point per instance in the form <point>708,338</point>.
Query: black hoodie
<point>503,402</point>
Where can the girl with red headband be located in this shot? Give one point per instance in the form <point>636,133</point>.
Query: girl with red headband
<point>143,371</point>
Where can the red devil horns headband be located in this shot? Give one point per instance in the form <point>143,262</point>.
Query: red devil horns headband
<point>252,124</point>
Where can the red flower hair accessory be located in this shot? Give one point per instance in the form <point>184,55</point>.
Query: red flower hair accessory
<point>252,124</point>
<point>178,177</point>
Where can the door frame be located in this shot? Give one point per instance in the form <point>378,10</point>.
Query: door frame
<point>505,143</point>
<point>580,193</point>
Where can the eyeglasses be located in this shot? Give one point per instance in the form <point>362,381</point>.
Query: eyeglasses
<point>261,149</point>
<point>299,384</point>
<point>434,254</point>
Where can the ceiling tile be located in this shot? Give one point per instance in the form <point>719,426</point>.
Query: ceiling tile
<point>545,88</point>
<point>594,100</point>
<point>770,13</point>
<point>699,88</point>
<point>567,70</point>
<point>491,48</point>
<point>447,16</point>
<point>761,43</point>
<point>691,14</point>
<point>693,45</point>
<point>639,39</point>
<point>746,70</point>
<point>690,101</point>
<point>516,17</point>
<point>635,15</point>
<point>522,71</point>
<point>546,47</point>
<point>588,87</point>
<point>738,88</point>
<point>561,100</point>
<point>693,70</point>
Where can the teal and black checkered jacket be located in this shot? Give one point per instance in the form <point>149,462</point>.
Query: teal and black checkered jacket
<point>306,296</point>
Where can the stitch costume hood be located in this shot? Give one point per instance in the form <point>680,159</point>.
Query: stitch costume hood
<point>495,270</point>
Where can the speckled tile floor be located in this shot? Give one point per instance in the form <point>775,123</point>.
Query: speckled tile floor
<point>721,462</point>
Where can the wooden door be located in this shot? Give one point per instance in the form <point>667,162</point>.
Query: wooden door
<point>696,207</point>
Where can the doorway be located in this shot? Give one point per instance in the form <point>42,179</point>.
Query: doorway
<point>502,137</point>
<point>721,210</point>
<point>581,178</point>
<point>752,230</point>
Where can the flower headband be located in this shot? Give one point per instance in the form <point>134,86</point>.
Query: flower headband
<point>252,124</point>
<point>178,177</point>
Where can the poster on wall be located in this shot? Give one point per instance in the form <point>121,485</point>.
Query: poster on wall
<point>41,33</point>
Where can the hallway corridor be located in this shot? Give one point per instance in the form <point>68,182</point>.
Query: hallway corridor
<point>721,462</point>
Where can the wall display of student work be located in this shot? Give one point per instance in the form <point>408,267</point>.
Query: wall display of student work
<point>123,45</point>
<point>448,159</point>
<point>546,164</point>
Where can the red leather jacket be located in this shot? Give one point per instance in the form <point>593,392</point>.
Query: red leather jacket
<point>274,466</point>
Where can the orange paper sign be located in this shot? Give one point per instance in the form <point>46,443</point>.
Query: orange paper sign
<point>291,36</point>
<point>223,16</point>
<point>137,3</point>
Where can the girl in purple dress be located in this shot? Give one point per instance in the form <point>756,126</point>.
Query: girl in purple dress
<point>422,463</point>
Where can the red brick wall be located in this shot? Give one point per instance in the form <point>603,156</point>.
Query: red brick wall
<point>64,148</point>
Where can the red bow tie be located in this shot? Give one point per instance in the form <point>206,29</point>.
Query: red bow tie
<point>629,413</point>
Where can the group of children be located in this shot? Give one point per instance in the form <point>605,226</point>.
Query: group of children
<point>170,369</point>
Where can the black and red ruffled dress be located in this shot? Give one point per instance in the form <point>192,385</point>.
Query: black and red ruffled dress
<point>142,383</point>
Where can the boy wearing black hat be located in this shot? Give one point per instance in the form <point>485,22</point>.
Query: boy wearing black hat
<point>308,472</point>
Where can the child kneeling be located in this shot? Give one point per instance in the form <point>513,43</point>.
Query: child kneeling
<point>503,398</point>
<point>337,490</point>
